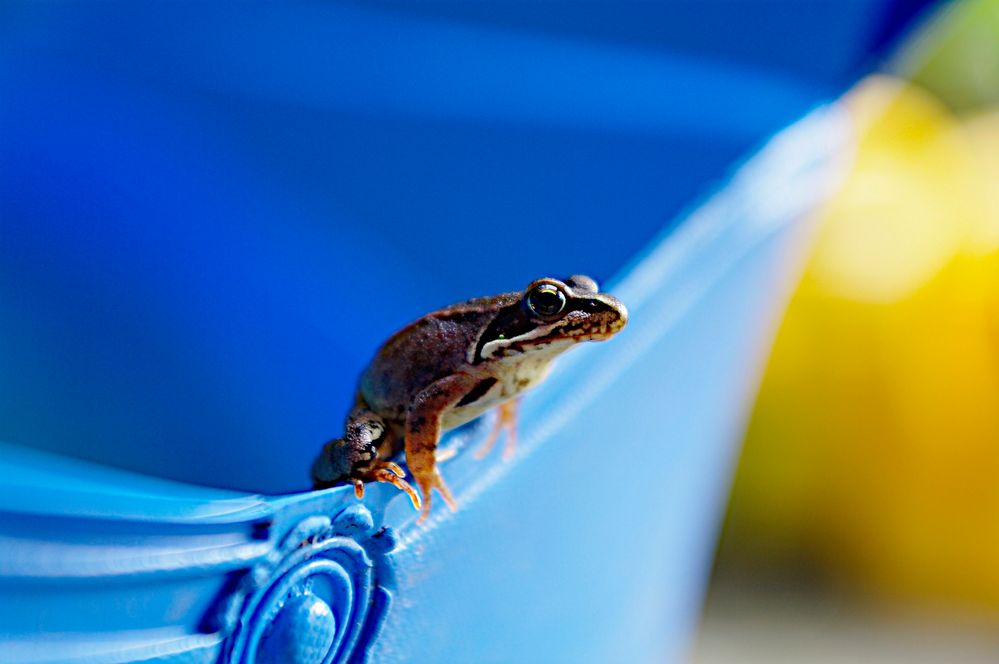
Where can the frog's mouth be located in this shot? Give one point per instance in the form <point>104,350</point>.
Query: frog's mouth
<point>598,321</point>
<point>596,318</point>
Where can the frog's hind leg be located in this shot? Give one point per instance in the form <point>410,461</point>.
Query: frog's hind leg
<point>354,458</point>
<point>506,420</point>
<point>340,457</point>
<point>423,432</point>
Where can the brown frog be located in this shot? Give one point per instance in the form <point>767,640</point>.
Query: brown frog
<point>450,366</point>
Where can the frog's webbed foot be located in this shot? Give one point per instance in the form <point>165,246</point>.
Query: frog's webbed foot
<point>506,419</point>
<point>384,471</point>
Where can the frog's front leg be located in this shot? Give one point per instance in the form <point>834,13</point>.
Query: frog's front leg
<point>423,432</point>
<point>354,458</point>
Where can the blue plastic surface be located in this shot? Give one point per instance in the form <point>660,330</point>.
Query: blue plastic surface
<point>592,545</point>
<point>212,216</point>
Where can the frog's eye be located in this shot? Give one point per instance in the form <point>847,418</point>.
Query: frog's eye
<point>546,300</point>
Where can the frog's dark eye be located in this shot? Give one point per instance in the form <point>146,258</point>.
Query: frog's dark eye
<point>546,300</point>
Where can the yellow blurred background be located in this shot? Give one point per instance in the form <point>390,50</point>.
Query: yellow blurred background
<point>871,462</point>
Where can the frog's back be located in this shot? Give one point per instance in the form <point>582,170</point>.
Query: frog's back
<point>425,351</point>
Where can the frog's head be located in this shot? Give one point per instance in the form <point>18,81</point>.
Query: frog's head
<point>550,316</point>
<point>572,309</point>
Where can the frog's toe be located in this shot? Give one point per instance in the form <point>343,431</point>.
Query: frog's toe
<point>394,468</point>
<point>390,473</point>
<point>435,481</point>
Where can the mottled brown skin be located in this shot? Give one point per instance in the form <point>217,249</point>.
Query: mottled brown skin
<point>448,368</point>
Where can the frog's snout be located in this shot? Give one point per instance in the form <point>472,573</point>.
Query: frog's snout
<point>622,314</point>
<point>606,316</point>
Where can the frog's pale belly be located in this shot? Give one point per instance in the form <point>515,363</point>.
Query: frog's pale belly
<point>526,374</point>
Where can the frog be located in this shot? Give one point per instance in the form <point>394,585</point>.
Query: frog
<point>449,367</point>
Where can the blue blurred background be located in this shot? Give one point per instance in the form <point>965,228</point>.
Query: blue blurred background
<point>212,215</point>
